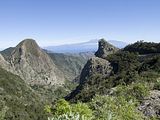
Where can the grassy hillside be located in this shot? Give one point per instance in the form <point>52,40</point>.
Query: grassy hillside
<point>21,101</point>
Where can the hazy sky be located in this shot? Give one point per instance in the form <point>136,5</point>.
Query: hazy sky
<point>52,22</point>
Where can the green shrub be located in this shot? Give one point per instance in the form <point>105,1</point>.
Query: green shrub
<point>114,108</point>
<point>47,108</point>
<point>68,116</point>
<point>157,84</point>
<point>65,111</point>
<point>62,107</point>
<point>143,47</point>
<point>135,91</point>
<point>3,112</point>
<point>82,109</point>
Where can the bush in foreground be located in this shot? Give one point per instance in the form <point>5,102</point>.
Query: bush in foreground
<point>65,111</point>
<point>114,108</point>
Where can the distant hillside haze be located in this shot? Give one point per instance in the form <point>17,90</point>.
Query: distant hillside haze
<point>90,46</point>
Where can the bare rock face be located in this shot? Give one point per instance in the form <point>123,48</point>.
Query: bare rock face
<point>151,105</point>
<point>105,49</point>
<point>33,65</point>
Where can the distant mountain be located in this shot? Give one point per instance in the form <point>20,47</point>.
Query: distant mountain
<point>118,44</point>
<point>91,45</point>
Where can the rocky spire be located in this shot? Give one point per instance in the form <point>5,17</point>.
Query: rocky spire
<point>105,49</point>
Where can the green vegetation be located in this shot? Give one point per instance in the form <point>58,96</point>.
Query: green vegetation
<point>114,108</point>
<point>114,97</point>
<point>62,110</point>
<point>131,80</point>
<point>17,100</point>
<point>70,65</point>
<point>52,93</point>
<point>157,84</point>
<point>100,108</point>
<point>3,110</point>
<point>143,47</point>
<point>127,70</point>
<point>135,91</point>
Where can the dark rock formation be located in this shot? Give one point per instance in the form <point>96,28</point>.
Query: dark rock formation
<point>95,66</point>
<point>105,49</point>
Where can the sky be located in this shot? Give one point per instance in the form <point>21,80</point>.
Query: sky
<point>54,22</point>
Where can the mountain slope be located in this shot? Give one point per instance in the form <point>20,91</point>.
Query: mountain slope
<point>21,101</point>
<point>70,64</point>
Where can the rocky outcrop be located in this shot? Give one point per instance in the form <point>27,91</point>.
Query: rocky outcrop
<point>33,65</point>
<point>151,105</point>
<point>94,75</point>
<point>95,66</point>
<point>98,65</point>
<point>105,49</point>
